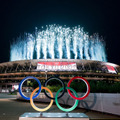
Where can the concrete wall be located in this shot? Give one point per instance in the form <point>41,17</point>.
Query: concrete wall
<point>102,102</point>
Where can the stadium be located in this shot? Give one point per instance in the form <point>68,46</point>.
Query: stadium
<point>11,73</point>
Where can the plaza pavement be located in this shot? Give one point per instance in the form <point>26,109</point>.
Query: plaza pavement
<point>11,109</point>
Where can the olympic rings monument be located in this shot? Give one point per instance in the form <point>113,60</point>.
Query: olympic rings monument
<point>41,115</point>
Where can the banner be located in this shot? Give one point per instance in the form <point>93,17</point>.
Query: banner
<point>111,69</point>
<point>56,66</point>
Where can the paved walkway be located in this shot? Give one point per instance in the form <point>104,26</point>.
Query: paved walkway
<point>6,96</point>
<point>11,109</point>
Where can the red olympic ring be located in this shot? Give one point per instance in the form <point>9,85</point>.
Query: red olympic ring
<point>88,88</point>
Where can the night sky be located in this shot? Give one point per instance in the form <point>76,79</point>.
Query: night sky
<point>96,16</point>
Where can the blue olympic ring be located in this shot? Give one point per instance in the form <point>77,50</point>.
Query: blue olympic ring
<point>20,87</point>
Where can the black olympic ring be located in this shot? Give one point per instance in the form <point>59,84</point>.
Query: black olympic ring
<point>45,84</point>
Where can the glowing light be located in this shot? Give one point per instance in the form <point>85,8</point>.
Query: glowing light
<point>16,87</point>
<point>58,42</point>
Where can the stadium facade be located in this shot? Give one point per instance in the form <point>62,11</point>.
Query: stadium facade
<point>11,73</point>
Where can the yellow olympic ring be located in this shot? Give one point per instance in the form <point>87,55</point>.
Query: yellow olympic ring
<point>33,105</point>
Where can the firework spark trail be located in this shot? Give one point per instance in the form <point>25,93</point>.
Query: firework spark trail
<point>30,46</point>
<point>86,47</point>
<point>38,46</point>
<point>58,42</point>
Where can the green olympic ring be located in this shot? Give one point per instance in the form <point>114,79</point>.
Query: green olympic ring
<point>69,109</point>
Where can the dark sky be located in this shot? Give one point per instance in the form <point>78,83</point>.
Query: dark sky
<point>101,16</point>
